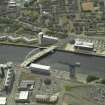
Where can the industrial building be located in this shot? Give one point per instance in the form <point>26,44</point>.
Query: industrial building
<point>9,64</point>
<point>40,69</point>
<point>46,40</point>
<point>22,97</point>
<point>3,101</point>
<point>81,45</point>
<point>26,85</point>
<point>46,98</point>
<point>50,37</point>
<point>12,3</point>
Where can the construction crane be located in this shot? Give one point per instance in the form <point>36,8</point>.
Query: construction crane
<point>72,68</point>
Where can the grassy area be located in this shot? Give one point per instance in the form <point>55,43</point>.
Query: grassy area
<point>91,78</point>
<point>43,1</point>
<point>68,88</point>
<point>27,76</point>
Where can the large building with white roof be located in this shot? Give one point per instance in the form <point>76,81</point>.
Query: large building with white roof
<point>84,45</point>
<point>22,97</point>
<point>40,69</point>
<point>3,100</point>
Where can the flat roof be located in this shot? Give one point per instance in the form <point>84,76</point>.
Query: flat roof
<point>84,44</point>
<point>3,100</point>
<point>50,37</point>
<point>39,66</point>
<point>23,95</point>
<point>87,6</point>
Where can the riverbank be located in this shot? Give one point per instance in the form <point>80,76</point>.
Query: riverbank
<point>37,46</point>
<point>89,64</point>
<point>22,45</point>
<point>33,43</point>
<point>70,48</point>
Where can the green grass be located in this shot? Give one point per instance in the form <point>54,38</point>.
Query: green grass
<point>68,88</point>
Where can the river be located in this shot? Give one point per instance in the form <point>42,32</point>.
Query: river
<point>13,53</point>
<point>88,64</point>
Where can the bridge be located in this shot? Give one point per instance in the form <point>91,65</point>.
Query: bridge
<point>38,55</point>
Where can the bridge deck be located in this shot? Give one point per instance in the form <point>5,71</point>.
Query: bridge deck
<point>37,56</point>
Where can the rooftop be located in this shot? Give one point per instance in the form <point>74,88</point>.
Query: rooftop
<point>23,95</point>
<point>3,100</point>
<point>39,66</point>
<point>88,6</point>
<point>84,44</point>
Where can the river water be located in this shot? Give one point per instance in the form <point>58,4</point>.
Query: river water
<point>88,64</point>
<point>13,53</point>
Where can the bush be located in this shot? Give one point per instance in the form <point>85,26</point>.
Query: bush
<point>72,41</point>
<point>91,78</point>
<point>68,88</point>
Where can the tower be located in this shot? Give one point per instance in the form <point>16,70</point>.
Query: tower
<point>40,38</point>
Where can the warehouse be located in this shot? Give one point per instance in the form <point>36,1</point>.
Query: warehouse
<point>3,100</point>
<point>46,98</point>
<point>84,45</point>
<point>26,85</point>
<point>40,69</point>
<point>22,97</point>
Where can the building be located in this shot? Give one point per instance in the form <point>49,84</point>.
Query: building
<point>13,10</point>
<point>22,97</point>
<point>46,98</point>
<point>87,6</point>
<point>50,37</point>
<point>12,4</point>
<point>46,40</point>
<point>53,99</point>
<point>9,80</point>
<point>26,85</point>
<point>42,98</point>
<point>80,45</point>
<point>3,5</point>
<point>3,100</point>
<point>40,38</point>
<point>40,69</point>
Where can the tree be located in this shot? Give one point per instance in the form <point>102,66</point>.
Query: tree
<point>72,41</point>
<point>103,81</point>
<point>91,78</point>
<point>43,1</point>
<point>47,81</point>
<point>26,4</point>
